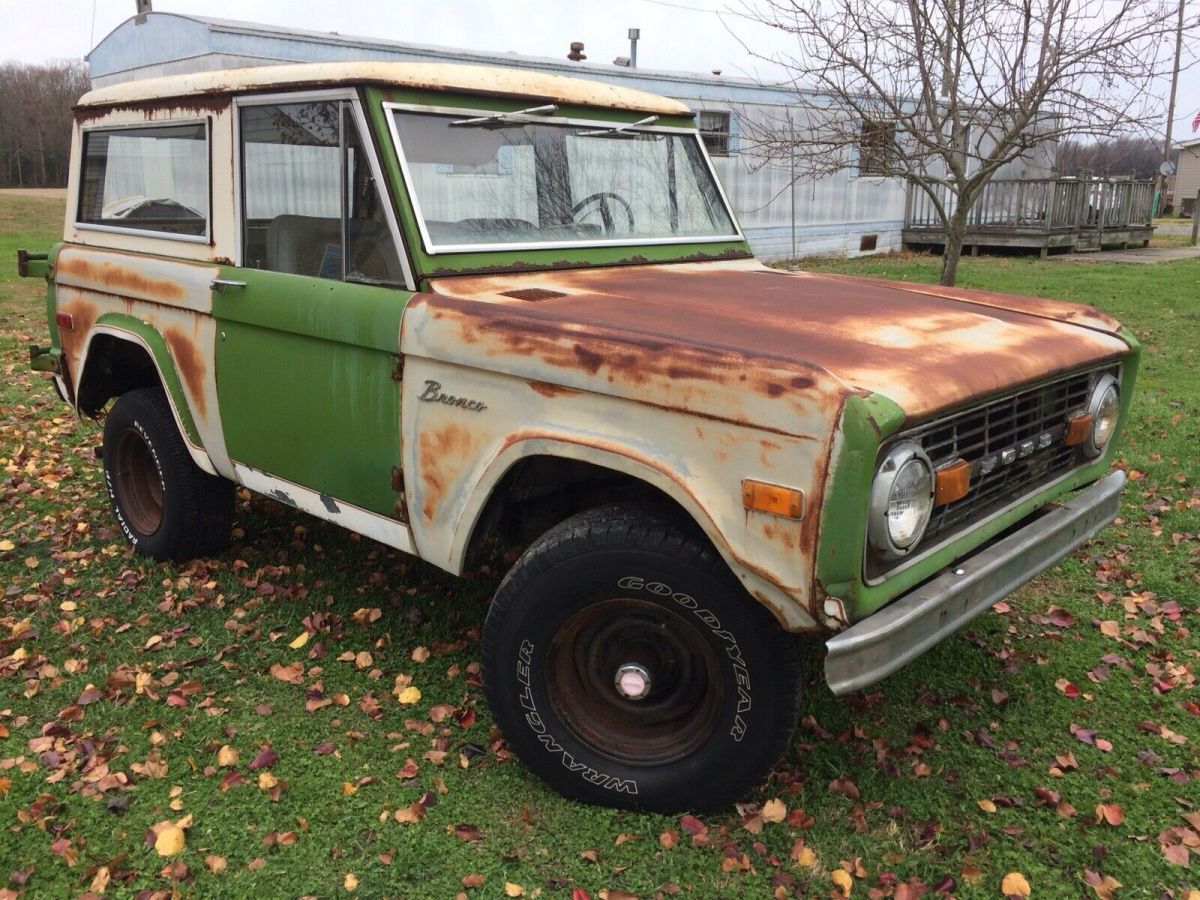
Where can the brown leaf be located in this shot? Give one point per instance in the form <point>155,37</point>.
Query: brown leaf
<point>292,673</point>
<point>473,881</point>
<point>1110,813</point>
<point>668,838</point>
<point>411,814</point>
<point>264,760</point>
<point>845,786</point>
<point>466,832</point>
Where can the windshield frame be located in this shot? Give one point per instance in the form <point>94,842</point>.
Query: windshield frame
<point>390,108</point>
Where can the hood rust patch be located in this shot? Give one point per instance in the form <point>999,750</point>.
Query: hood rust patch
<point>728,323</point>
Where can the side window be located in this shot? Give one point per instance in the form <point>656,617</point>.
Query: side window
<point>310,205</point>
<point>151,178</point>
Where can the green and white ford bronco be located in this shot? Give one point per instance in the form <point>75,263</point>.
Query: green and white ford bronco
<point>442,305</point>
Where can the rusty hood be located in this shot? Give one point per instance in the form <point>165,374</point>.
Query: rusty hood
<point>726,337</point>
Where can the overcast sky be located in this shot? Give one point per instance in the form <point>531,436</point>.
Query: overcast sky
<point>688,35</point>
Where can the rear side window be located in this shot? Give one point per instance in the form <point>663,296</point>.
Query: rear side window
<point>153,178</point>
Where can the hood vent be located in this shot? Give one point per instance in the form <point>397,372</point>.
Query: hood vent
<point>533,295</point>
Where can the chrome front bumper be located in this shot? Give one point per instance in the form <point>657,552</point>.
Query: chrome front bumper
<point>911,624</point>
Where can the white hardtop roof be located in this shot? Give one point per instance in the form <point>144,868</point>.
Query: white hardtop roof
<point>459,79</point>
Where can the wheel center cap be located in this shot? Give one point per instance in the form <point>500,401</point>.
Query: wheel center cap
<point>632,681</point>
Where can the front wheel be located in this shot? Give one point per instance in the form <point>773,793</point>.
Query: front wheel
<point>627,667</point>
<point>167,506</point>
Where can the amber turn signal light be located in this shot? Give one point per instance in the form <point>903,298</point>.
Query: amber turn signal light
<point>952,483</point>
<point>1078,428</point>
<point>773,499</point>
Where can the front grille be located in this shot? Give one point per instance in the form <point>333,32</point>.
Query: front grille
<point>987,430</point>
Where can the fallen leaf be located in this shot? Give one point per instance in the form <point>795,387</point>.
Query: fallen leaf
<point>842,879</point>
<point>227,756</point>
<point>1015,883</point>
<point>473,881</point>
<point>216,864</point>
<point>774,811</point>
<point>6,545</point>
<point>513,890</point>
<point>1110,813</point>
<point>299,640</point>
<point>170,841</point>
<point>351,882</point>
<point>293,673</point>
<point>409,695</point>
<point>987,806</point>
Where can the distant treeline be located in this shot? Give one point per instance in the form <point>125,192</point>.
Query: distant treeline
<point>1115,156</point>
<point>35,121</point>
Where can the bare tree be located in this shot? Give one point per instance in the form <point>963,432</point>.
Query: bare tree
<point>947,92</point>
<point>35,121</point>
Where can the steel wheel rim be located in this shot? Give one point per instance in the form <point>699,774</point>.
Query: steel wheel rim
<point>683,705</point>
<point>138,483</point>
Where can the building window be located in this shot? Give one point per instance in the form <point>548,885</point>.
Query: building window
<point>714,131</point>
<point>877,148</point>
<point>152,178</point>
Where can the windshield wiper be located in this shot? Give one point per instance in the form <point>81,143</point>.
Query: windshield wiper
<point>619,130</point>
<point>506,117</point>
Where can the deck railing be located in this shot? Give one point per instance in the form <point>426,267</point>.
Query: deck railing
<point>1042,204</point>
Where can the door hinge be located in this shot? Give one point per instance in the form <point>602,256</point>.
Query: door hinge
<point>400,509</point>
<point>397,368</point>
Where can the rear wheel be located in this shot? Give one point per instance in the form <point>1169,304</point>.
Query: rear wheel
<point>168,507</point>
<point>626,666</point>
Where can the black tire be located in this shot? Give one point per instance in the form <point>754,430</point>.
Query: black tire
<point>722,678</point>
<point>168,507</point>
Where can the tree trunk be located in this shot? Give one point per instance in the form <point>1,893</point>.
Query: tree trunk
<point>956,231</point>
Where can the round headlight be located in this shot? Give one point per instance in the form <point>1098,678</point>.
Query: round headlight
<point>1104,406</point>
<point>901,501</point>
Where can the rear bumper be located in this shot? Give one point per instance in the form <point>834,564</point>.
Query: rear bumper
<point>908,626</point>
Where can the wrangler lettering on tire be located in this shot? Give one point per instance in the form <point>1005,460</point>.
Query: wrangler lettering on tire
<point>627,667</point>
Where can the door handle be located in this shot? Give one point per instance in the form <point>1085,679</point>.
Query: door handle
<point>220,284</point>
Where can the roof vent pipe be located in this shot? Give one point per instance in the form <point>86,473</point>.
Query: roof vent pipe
<point>576,54</point>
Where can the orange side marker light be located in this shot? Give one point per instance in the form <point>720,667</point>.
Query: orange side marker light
<point>1078,428</point>
<point>773,499</point>
<point>952,482</point>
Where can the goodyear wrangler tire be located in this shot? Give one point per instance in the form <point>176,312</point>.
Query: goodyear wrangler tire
<point>166,505</point>
<point>626,666</point>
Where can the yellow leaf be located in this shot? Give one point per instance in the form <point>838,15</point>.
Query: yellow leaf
<point>806,857</point>
<point>987,806</point>
<point>351,882</point>
<point>266,780</point>
<point>410,695</point>
<point>348,788</point>
<point>170,841</point>
<point>6,545</point>
<point>1015,883</point>
<point>774,811</point>
<point>31,562</point>
<point>227,756</point>
<point>299,640</point>
<point>513,890</point>
<point>843,880</point>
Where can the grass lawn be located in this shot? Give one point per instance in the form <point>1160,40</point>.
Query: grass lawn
<point>246,705</point>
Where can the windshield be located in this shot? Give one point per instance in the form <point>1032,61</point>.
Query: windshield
<point>507,180</point>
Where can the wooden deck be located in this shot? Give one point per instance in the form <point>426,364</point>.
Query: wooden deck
<point>1072,214</point>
